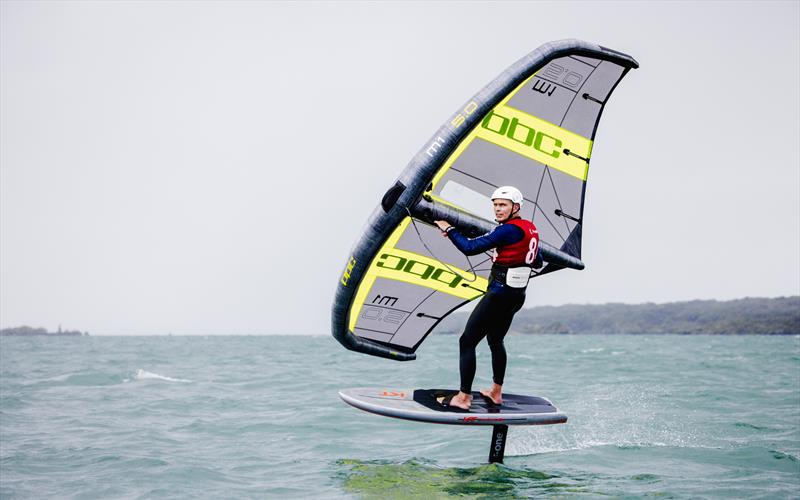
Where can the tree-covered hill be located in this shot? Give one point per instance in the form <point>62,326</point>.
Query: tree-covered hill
<point>748,316</point>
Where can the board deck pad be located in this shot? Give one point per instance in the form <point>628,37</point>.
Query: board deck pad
<point>422,405</point>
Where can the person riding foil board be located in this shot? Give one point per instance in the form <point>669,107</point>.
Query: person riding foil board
<point>515,242</point>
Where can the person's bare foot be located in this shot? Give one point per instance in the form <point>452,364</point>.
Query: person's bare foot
<point>495,394</point>
<point>461,400</point>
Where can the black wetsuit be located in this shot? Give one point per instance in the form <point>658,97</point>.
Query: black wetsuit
<point>492,317</point>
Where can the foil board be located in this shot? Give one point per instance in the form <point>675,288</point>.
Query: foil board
<point>423,405</point>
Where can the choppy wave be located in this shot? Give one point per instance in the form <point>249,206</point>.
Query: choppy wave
<point>85,378</point>
<point>146,375</point>
<point>97,378</point>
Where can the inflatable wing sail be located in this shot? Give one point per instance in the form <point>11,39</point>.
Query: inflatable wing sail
<point>533,127</point>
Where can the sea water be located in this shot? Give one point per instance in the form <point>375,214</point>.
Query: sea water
<point>254,417</point>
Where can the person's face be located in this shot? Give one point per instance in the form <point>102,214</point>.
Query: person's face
<point>502,209</point>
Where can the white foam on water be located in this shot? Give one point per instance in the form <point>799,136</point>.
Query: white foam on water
<point>58,378</point>
<point>146,375</point>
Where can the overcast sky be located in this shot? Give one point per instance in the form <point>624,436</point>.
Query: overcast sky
<point>205,168</point>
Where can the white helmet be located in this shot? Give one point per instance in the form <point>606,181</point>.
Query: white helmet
<point>508,193</point>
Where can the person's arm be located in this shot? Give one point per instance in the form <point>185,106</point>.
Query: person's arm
<point>502,235</point>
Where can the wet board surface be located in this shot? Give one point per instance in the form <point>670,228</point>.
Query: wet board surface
<point>422,405</point>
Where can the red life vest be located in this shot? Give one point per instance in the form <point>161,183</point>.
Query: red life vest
<point>521,253</point>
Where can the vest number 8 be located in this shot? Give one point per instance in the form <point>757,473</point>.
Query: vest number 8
<point>531,255</point>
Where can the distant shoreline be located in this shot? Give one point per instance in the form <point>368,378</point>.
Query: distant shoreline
<point>28,331</point>
<point>748,316</point>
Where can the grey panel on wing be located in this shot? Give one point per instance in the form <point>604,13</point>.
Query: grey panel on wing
<point>556,93</point>
<point>584,113</point>
<point>442,250</point>
<point>431,311</point>
<point>561,191</point>
<point>401,314</point>
<point>550,93</point>
<point>588,60</point>
<point>484,166</point>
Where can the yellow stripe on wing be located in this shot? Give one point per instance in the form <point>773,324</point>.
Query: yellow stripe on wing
<point>529,136</point>
<point>410,267</point>
<point>537,139</point>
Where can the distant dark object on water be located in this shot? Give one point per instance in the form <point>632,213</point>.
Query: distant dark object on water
<point>27,331</point>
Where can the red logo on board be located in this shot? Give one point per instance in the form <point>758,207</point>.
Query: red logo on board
<point>480,419</point>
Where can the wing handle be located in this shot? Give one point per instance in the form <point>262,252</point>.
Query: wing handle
<point>429,210</point>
